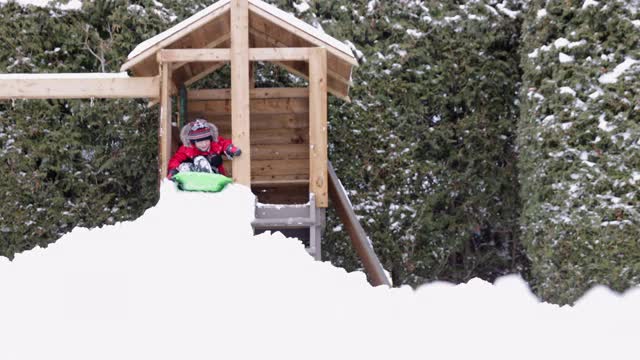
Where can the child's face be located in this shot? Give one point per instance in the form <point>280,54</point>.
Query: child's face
<point>203,145</point>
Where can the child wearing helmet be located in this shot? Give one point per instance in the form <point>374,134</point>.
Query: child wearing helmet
<point>201,149</point>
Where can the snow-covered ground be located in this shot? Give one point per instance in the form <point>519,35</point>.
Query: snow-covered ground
<point>188,280</point>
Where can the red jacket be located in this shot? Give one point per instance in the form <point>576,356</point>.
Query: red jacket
<point>189,153</point>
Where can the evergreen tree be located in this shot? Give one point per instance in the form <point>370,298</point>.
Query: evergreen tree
<point>578,138</point>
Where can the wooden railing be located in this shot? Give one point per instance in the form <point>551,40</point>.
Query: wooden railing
<point>358,237</point>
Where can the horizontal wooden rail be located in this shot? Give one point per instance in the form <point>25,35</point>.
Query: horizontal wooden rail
<point>257,93</point>
<point>279,183</point>
<point>77,86</point>
<point>210,45</point>
<point>193,55</point>
<point>358,237</point>
<point>183,56</point>
<point>279,54</point>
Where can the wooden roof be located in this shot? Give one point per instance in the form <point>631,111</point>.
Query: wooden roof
<point>268,27</point>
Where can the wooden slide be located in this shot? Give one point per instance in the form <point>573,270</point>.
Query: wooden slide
<point>358,237</point>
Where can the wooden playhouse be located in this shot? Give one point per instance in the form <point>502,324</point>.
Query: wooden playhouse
<point>282,131</point>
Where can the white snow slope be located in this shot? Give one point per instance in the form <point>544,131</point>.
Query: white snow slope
<point>188,280</point>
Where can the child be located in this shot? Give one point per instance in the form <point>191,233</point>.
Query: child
<point>201,150</point>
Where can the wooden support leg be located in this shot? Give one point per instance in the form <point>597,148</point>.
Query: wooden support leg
<point>318,157</point>
<point>240,90</point>
<point>164,128</point>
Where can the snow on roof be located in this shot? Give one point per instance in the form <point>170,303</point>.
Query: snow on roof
<point>317,33</point>
<point>282,15</point>
<point>54,76</point>
<point>181,25</point>
<point>189,280</point>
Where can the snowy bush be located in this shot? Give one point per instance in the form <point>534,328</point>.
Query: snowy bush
<point>426,148</point>
<point>71,163</point>
<point>579,146</point>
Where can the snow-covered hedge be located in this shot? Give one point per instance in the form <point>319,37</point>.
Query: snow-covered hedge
<point>72,163</point>
<point>426,148</point>
<point>579,145</point>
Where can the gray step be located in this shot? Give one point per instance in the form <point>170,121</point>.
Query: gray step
<point>300,216</point>
<point>272,211</point>
<point>284,223</point>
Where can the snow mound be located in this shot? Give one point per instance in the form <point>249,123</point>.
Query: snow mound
<point>189,280</point>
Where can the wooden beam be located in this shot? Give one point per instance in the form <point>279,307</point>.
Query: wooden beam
<point>210,45</point>
<point>77,86</point>
<point>279,183</point>
<point>279,44</point>
<point>318,157</point>
<point>255,93</point>
<point>333,90</point>
<point>217,55</point>
<point>201,75</point>
<point>164,128</point>
<point>193,55</point>
<point>240,111</point>
<point>173,90</point>
<point>340,87</point>
<point>279,54</point>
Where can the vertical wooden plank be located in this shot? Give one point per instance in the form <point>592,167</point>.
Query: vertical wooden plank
<point>164,128</point>
<point>252,66</point>
<point>240,90</point>
<point>252,75</point>
<point>318,157</point>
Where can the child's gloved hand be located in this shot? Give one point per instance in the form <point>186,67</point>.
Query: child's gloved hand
<point>215,160</point>
<point>232,151</point>
<point>171,173</point>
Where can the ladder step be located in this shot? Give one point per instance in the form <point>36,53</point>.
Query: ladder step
<point>284,223</point>
<point>283,211</point>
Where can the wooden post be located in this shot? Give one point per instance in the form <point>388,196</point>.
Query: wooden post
<point>240,90</point>
<point>164,128</point>
<point>318,157</point>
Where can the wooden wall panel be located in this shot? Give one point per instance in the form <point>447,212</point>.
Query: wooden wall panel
<point>289,194</point>
<point>266,121</point>
<point>279,136</point>
<point>273,136</point>
<point>280,167</point>
<point>280,152</point>
<point>258,122</point>
<point>257,106</point>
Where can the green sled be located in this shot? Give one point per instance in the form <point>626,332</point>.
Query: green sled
<point>197,181</point>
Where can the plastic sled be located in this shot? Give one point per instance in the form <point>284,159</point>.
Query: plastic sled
<point>197,181</point>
